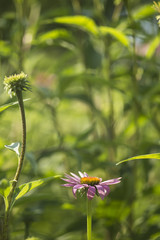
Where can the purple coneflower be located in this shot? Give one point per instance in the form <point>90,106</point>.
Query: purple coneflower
<point>92,185</point>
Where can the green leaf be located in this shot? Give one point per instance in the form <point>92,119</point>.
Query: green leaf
<point>5,187</point>
<point>152,47</point>
<point>53,35</point>
<point>14,147</point>
<point>143,12</point>
<point>27,187</point>
<point>82,22</point>
<point>121,37</point>
<point>147,156</point>
<point>4,107</point>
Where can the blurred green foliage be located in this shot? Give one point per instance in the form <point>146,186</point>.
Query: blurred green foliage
<point>94,69</point>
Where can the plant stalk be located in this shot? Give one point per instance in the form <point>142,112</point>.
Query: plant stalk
<point>19,167</point>
<point>89,219</point>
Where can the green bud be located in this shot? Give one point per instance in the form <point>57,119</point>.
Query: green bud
<point>16,83</point>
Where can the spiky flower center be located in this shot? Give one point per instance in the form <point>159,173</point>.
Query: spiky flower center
<point>90,180</point>
<point>15,83</point>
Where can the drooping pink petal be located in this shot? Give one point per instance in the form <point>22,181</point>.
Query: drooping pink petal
<point>100,180</point>
<point>81,174</point>
<point>101,190</point>
<point>91,192</point>
<point>75,188</point>
<point>111,181</point>
<point>75,176</point>
<point>107,189</point>
<point>85,174</point>
<point>72,178</point>
<point>69,180</point>
<point>68,185</point>
<point>85,185</point>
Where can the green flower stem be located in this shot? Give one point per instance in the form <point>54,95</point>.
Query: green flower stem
<point>19,167</point>
<point>89,219</point>
<point>20,164</point>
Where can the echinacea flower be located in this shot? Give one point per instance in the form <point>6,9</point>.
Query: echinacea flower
<point>92,185</point>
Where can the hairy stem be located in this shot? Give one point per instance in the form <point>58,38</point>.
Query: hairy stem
<point>89,220</point>
<point>19,167</point>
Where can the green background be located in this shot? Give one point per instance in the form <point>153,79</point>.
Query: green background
<point>94,70</point>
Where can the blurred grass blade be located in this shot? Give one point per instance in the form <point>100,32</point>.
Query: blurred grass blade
<point>4,107</point>
<point>82,22</point>
<point>147,156</point>
<point>121,37</point>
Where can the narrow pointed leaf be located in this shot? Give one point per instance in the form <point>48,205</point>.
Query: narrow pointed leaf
<point>143,12</point>
<point>82,22</point>
<point>4,107</point>
<point>121,37</point>
<point>14,147</point>
<point>147,156</point>
<point>53,35</point>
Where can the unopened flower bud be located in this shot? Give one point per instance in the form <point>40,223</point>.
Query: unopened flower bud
<point>16,83</point>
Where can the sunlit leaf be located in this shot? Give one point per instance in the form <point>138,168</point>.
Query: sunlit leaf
<point>4,107</point>
<point>155,236</point>
<point>152,47</point>
<point>121,37</point>
<point>82,22</point>
<point>145,11</point>
<point>14,147</point>
<point>147,156</point>
<point>53,35</point>
<point>27,187</point>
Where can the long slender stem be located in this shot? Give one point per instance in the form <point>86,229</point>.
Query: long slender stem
<point>20,164</point>
<point>89,219</point>
<point>19,167</point>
